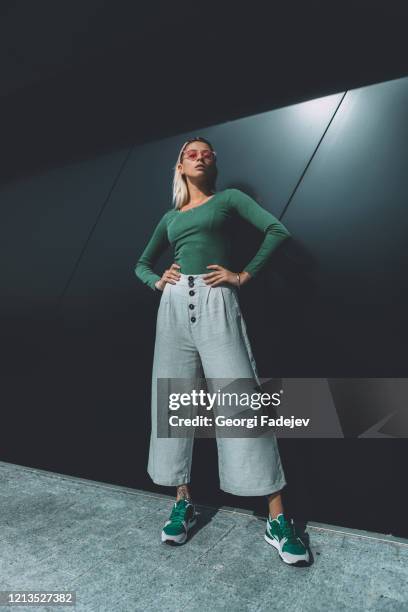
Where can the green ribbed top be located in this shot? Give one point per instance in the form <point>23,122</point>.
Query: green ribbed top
<point>200,236</point>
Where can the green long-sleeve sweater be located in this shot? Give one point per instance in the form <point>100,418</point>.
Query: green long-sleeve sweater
<point>200,236</point>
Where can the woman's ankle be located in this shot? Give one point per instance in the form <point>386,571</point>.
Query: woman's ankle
<point>183,492</point>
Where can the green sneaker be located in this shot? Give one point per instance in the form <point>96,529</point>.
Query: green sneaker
<point>182,518</point>
<point>282,535</point>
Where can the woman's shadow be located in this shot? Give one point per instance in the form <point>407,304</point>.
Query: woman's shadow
<point>276,302</point>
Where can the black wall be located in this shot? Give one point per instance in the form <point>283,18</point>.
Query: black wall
<point>78,326</point>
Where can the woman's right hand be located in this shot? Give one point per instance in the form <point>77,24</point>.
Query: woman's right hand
<point>169,276</point>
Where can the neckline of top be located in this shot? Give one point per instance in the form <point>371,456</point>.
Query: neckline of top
<point>200,205</point>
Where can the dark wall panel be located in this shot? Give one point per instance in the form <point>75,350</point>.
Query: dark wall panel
<point>46,221</point>
<point>350,215</point>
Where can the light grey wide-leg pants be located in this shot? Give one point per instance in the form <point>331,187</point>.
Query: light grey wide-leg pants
<point>201,333</point>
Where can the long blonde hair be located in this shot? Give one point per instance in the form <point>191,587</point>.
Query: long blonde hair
<point>180,189</point>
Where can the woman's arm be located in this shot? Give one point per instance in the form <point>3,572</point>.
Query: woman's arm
<point>156,246</point>
<point>275,232</point>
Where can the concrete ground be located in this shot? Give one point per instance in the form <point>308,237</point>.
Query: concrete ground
<point>60,533</point>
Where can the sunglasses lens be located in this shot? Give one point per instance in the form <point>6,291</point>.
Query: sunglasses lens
<point>192,154</point>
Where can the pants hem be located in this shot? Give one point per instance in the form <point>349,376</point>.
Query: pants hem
<point>264,490</point>
<point>170,482</point>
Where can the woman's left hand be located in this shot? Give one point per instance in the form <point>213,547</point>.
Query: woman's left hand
<point>222,275</point>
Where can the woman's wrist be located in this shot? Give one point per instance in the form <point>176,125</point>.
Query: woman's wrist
<point>244,277</point>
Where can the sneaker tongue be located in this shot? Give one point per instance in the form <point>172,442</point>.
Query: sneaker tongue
<point>281,519</point>
<point>288,526</point>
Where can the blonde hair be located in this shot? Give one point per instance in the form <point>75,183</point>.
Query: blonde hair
<point>180,189</point>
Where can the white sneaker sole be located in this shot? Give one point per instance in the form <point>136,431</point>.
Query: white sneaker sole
<point>182,537</point>
<point>287,557</point>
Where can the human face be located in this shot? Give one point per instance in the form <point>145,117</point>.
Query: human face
<point>199,162</point>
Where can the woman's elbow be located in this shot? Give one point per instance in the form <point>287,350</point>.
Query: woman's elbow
<point>139,270</point>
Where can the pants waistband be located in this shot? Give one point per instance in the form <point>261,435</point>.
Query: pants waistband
<point>196,279</point>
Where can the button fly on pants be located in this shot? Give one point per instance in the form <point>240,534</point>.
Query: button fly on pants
<point>200,331</point>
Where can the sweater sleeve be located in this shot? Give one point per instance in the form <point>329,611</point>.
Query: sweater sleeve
<point>156,246</point>
<point>274,231</point>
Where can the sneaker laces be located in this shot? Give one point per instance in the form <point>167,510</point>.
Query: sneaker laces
<point>289,532</point>
<point>178,512</point>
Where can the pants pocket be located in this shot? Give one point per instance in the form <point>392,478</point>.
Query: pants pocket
<point>231,302</point>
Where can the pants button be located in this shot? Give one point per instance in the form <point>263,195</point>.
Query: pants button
<point>191,306</point>
<point>193,319</point>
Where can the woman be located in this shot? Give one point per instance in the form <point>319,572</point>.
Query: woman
<point>200,330</point>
